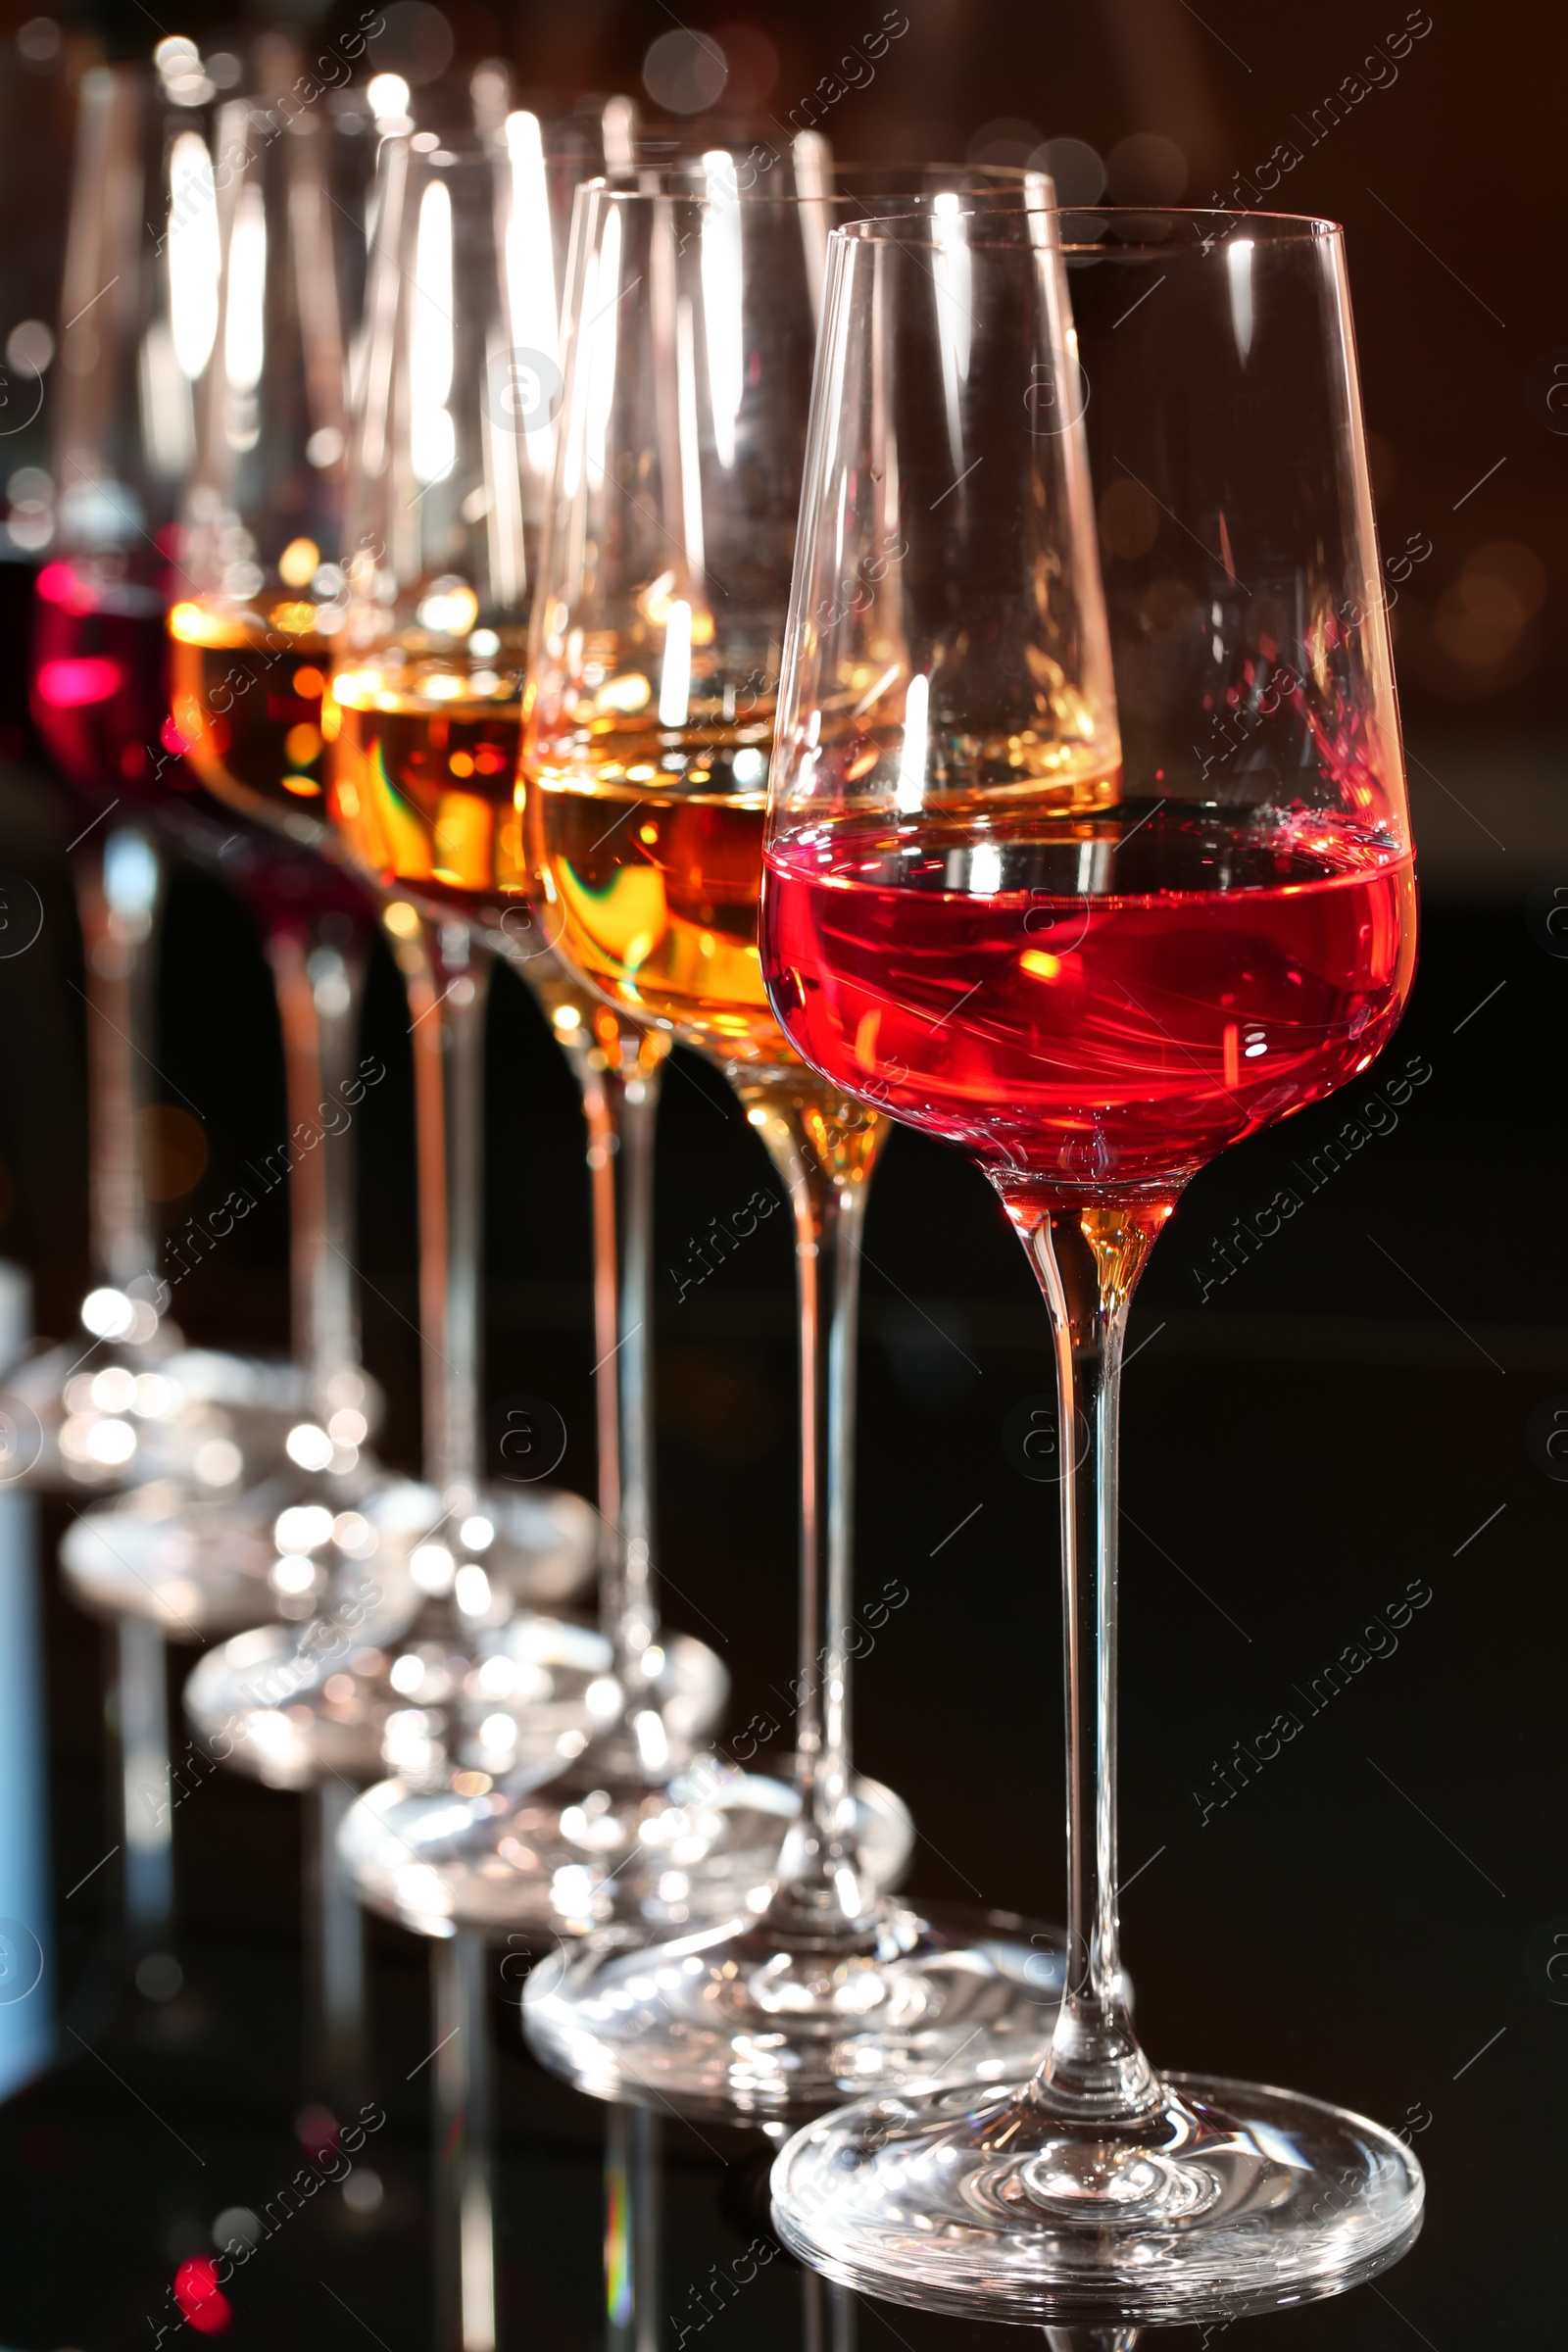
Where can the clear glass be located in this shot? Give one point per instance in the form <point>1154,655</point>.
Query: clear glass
<point>631,1820</point>
<point>272,601</point>
<point>122,440</point>
<point>1087,851</point>
<point>255,282</point>
<point>125,1402</point>
<point>655,657</point>
<point>452,451</point>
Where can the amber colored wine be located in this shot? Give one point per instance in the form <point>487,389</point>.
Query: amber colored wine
<point>246,710</point>
<point>423,790</point>
<point>647,846</point>
<point>1090,1006</point>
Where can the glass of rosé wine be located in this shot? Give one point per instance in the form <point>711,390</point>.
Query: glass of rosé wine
<point>1088,851</point>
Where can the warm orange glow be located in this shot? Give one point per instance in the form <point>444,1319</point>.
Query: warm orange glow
<point>194,624</point>
<point>296,618</point>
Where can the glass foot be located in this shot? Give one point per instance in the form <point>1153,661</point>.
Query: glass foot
<point>583,1849</point>
<point>198,1418</point>
<point>290,1704</point>
<point>737,2021</point>
<point>1231,2199</point>
<point>296,1545</point>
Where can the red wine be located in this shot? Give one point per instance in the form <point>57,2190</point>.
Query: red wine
<point>1090,1006</point>
<point>98,676</point>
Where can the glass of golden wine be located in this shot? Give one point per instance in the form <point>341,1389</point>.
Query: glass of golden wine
<point>659,625</point>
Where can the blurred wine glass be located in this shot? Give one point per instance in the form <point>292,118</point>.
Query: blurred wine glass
<point>130,1405</point>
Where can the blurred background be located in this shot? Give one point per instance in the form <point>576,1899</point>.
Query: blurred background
<point>1316,1422</point>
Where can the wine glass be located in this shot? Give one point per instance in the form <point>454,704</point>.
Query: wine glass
<point>1093,952</point>
<point>451,455</point>
<point>130,310</point>
<point>284,203</point>
<point>253,637</point>
<point>427,696</point>
<point>659,625</point>
<point>253,643</point>
<point>615,1834</point>
<point>128,1403</point>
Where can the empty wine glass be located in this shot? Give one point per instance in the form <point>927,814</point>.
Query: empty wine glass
<point>1093,952</point>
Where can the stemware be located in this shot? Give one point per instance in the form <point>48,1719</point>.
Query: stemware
<point>132,1404</point>
<point>1094,950</point>
<point>653,673</point>
<point>451,453</point>
<point>427,698</point>
<point>616,1832</point>
<point>132,311</point>
<point>253,641</point>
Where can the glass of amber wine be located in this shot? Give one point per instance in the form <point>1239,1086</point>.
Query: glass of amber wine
<point>1093,885</point>
<point>657,629</point>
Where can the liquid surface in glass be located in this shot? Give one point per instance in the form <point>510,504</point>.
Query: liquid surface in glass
<point>646,844</point>
<point>246,698</point>
<point>1094,1005</point>
<point>423,790</point>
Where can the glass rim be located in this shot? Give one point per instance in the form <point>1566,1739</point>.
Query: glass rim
<point>1274,229</point>
<point>464,149</point>
<point>1009,177</point>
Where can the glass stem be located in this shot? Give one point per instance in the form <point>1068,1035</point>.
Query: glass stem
<point>631,2230</point>
<point>464,2218</point>
<point>335,1926</point>
<point>828,2313</point>
<point>620,1102</point>
<point>119,884</point>
<point>1087,1261</point>
<point>319,993</point>
<point>1092,2339</point>
<point>141,1712</point>
<point>448,982</point>
<point>824,1150</point>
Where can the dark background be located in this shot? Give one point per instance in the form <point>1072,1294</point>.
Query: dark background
<point>1349,1414</point>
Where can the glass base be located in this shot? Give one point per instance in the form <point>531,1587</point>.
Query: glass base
<point>738,2020</point>
<point>290,1704</point>
<point>198,1568</point>
<point>100,1419</point>
<point>1231,2199</point>
<point>583,1850</point>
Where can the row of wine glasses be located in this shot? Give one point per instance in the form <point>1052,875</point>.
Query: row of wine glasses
<point>1060,705</point>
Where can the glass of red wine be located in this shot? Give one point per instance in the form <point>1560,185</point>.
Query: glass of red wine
<point>1090,859</point>
<point>137,288</point>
